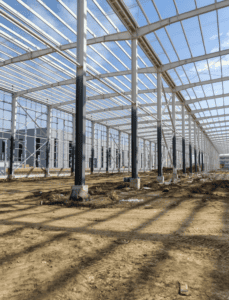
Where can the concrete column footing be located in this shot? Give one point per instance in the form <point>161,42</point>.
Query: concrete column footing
<point>79,193</point>
<point>160,179</point>
<point>134,182</point>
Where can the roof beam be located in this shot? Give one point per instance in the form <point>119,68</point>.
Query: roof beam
<point>208,109</point>
<point>141,31</point>
<point>46,86</point>
<point>125,36</point>
<point>212,117</point>
<point>206,98</point>
<point>111,95</point>
<point>165,67</point>
<point>178,18</point>
<point>39,53</point>
<point>191,85</point>
<point>129,116</point>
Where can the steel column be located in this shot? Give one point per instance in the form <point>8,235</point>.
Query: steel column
<point>150,156</point>
<point>183,140</point>
<point>190,143</point>
<point>107,149</point>
<point>159,133</point>
<point>198,137</point>
<point>80,153</point>
<point>195,154</point>
<point>73,142</point>
<point>92,146</point>
<point>134,117</point>
<point>174,134</point>
<point>119,151</point>
<point>49,113</point>
<point>13,135</point>
<point>129,149</point>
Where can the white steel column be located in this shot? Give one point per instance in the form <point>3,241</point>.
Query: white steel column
<point>159,128</point>
<point>13,135</point>
<point>155,155</point>
<point>183,139</point>
<point>190,144</point>
<point>48,143</point>
<point>195,154</point>
<point>144,155</point>
<point>174,136</point>
<point>150,156</point>
<point>119,151</point>
<point>107,149</point>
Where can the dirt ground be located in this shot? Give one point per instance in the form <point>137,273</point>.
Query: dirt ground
<point>107,248</point>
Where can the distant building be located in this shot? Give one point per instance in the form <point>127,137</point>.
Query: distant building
<point>224,161</point>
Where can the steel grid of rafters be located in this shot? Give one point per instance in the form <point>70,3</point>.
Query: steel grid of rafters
<point>186,42</point>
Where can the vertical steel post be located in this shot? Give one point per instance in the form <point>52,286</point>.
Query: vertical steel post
<point>134,117</point>
<point>144,155</point>
<point>190,143</point>
<point>174,134</point>
<point>183,140</point>
<point>195,154</point>
<point>119,151</point>
<point>159,133</point>
<point>49,113</point>
<point>92,145</point>
<point>129,149</point>
<point>155,154</point>
<point>13,135</point>
<point>80,151</point>
<point>150,156</point>
<point>73,142</point>
<point>107,151</point>
<point>198,137</point>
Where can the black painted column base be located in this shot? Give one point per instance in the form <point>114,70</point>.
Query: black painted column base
<point>195,159</point>
<point>159,153</point>
<point>92,160</point>
<point>183,156</point>
<point>11,167</point>
<point>107,162</point>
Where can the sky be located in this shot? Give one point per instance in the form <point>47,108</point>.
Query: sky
<point>175,42</point>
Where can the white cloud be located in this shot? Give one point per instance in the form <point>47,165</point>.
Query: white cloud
<point>215,36</point>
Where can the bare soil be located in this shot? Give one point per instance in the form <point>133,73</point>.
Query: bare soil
<point>107,248</point>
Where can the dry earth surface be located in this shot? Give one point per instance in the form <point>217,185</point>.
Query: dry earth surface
<point>111,249</point>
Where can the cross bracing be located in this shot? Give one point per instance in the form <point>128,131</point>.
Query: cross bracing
<point>39,65</point>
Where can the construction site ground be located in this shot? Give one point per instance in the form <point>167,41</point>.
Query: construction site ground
<point>111,248</point>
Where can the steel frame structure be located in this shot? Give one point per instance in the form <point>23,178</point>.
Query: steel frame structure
<point>43,68</point>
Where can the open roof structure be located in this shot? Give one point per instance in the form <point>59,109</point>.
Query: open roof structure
<point>186,41</point>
